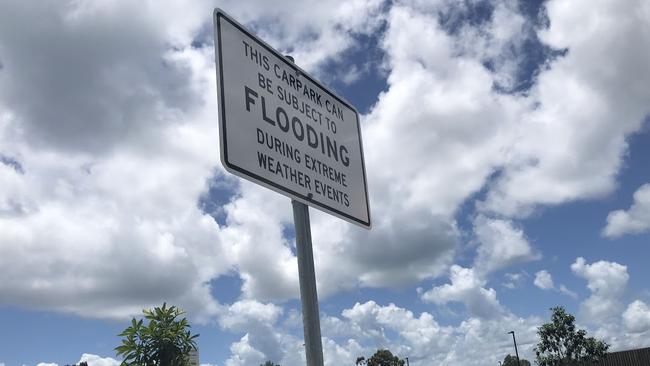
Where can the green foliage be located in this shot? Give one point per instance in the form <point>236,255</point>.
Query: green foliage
<point>269,363</point>
<point>512,361</point>
<point>164,341</point>
<point>561,344</point>
<point>382,357</point>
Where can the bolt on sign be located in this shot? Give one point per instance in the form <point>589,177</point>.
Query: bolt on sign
<point>281,128</point>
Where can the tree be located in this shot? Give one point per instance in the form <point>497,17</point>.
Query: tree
<point>512,361</point>
<point>269,363</point>
<point>561,344</point>
<point>382,357</point>
<point>164,341</point>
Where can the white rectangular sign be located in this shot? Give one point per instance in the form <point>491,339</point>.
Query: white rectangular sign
<point>282,129</point>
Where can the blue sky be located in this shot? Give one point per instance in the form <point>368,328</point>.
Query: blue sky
<point>507,150</point>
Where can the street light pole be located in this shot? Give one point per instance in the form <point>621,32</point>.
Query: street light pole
<point>515,341</point>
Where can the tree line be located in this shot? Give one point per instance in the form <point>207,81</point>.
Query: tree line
<point>166,340</point>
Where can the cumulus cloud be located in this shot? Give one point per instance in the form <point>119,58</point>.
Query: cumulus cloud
<point>637,317</point>
<point>96,129</point>
<point>244,354</point>
<point>414,234</point>
<point>243,314</point>
<point>94,360</point>
<point>544,280</point>
<point>514,280</point>
<point>497,41</point>
<point>260,341</point>
<point>404,248</point>
<point>107,87</point>
<point>425,341</point>
<point>114,132</point>
<point>105,157</point>
<point>607,282</point>
<point>572,142</point>
<point>108,138</point>
<point>468,288</point>
<point>314,32</point>
<point>255,224</point>
<point>420,333</point>
<point>364,327</point>
<point>435,100</point>
<point>500,245</point>
<point>563,289</point>
<point>635,220</point>
<point>135,206</point>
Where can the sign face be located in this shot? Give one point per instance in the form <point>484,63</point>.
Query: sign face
<point>282,129</point>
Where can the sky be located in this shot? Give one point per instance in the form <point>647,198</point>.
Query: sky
<point>506,143</point>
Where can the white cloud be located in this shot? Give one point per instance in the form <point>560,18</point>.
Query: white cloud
<point>544,280</point>
<point>406,246</point>
<point>370,319</point>
<point>572,141</point>
<point>566,291</point>
<point>500,245</point>
<point>313,31</point>
<point>116,149</point>
<point>117,146</point>
<point>244,354</point>
<point>634,220</point>
<point>257,321</point>
<point>363,328</point>
<point>47,364</point>
<point>637,317</point>
<point>255,225</point>
<point>245,313</point>
<point>514,280</point>
<point>499,41</point>
<point>607,282</point>
<point>466,287</point>
<point>94,360</point>
<point>425,341</point>
<point>438,107</point>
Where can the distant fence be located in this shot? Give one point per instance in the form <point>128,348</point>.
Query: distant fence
<point>633,357</point>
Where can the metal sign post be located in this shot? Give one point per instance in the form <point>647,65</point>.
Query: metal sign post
<point>307,278</point>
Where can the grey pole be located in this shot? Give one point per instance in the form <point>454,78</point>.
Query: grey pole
<point>515,341</point>
<point>307,277</point>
